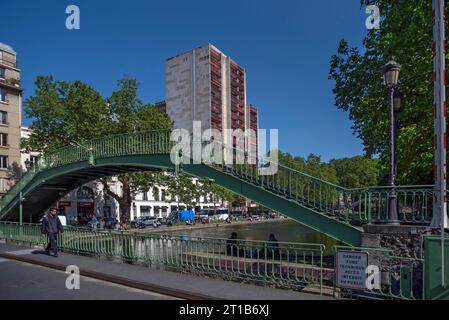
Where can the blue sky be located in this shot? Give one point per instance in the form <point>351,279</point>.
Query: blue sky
<point>285,47</point>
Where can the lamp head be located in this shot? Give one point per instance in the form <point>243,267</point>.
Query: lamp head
<point>391,73</point>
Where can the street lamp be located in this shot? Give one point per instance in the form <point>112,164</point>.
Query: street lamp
<point>391,78</point>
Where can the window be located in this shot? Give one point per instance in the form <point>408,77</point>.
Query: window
<point>145,211</point>
<point>2,73</point>
<point>164,195</point>
<point>3,139</point>
<point>33,160</point>
<point>145,196</point>
<point>3,117</point>
<point>4,162</point>
<point>3,95</point>
<point>85,193</point>
<point>156,194</point>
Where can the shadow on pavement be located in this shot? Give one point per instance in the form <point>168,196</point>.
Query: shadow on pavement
<point>39,252</point>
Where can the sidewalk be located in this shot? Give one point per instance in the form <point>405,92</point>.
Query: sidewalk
<point>212,288</point>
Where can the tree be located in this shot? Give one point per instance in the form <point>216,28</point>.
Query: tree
<point>131,184</point>
<point>73,112</point>
<point>129,114</point>
<point>63,113</point>
<point>406,34</point>
<point>311,166</point>
<point>356,172</point>
<point>182,188</point>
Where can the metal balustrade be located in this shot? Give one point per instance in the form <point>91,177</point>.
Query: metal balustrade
<point>350,206</point>
<point>288,265</point>
<point>285,265</point>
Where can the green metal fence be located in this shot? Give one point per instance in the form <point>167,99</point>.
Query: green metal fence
<point>399,278</point>
<point>352,206</point>
<point>288,265</point>
<point>149,142</point>
<point>355,206</point>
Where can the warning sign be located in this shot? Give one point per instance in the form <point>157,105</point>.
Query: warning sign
<point>351,269</point>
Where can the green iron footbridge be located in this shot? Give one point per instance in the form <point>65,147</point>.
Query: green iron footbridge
<point>328,208</point>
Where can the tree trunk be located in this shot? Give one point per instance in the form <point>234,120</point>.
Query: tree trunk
<point>124,200</point>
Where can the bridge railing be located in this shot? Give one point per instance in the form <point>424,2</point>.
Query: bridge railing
<point>361,205</point>
<point>282,264</point>
<point>149,142</point>
<point>364,205</point>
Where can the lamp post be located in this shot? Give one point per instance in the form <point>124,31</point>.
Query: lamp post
<point>391,77</point>
<point>397,100</point>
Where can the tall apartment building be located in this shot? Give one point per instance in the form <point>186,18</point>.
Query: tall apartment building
<point>206,85</point>
<point>10,118</point>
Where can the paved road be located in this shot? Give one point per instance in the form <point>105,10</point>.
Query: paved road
<point>25,281</point>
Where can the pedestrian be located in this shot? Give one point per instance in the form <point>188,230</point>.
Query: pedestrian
<point>231,245</point>
<point>94,222</point>
<point>52,226</point>
<point>272,246</point>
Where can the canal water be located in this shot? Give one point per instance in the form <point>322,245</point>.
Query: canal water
<point>284,230</point>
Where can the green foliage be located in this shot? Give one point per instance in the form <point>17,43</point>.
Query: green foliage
<point>406,34</point>
<point>181,188</point>
<point>311,166</point>
<point>72,112</point>
<point>352,172</point>
<point>63,112</point>
<point>356,172</point>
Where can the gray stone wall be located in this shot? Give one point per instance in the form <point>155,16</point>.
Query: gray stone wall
<point>405,241</point>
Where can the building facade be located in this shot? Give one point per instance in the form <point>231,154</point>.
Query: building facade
<point>28,159</point>
<point>206,85</point>
<point>81,204</point>
<point>10,118</point>
<point>201,85</point>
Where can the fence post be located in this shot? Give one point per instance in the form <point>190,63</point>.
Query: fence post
<point>20,208</point>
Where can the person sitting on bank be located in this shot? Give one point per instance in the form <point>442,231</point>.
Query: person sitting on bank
<point>52,226</point>
<point>231,245</point>
<point>272,246</point>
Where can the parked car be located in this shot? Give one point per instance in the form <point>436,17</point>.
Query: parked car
<point>237,215</point>
<point>143,222</point>
<point>254,217</point>
<point>109,223</point>
<point>214,214</point>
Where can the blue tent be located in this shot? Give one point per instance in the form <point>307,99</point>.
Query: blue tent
<point>186,215</point>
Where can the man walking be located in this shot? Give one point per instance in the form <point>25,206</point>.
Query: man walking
<point>51,226</point>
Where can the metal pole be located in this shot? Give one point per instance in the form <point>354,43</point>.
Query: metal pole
<point>20,209</point>
<point>440,206</point>
<point>392,197</point>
